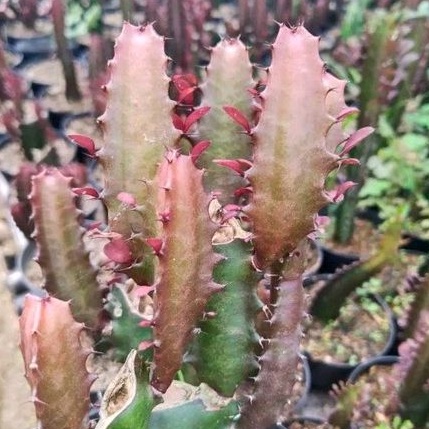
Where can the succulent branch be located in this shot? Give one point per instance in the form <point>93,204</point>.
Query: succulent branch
<point>226,86</point>
<point>62,256</point>
<point>225,348</point>
<point>21,210</point>
<point>378,81</point>
<point>279,361</point>
<point>55,363</point>
<point>289,139</point>
<point>127,8</point>
<point>137,127</point>
<point>186,263</point>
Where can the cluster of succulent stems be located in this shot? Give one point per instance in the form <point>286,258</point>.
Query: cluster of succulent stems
<point>164,171</point>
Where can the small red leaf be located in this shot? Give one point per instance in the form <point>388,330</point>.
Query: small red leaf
<point>349,161</point>
<point>322,221</point>
<point>240,192</point>
<point>347,111</point>
<point>144,290</point>
<point>84,142</point>
<point>118,251</point>
<point>237,165</point>
<point>229,215</point>
<point>238,117</point>
<point>185,85</point>
<point>184,95</point>
<point>253,91</point>
<point>355,139</point>
<point>156,244</point>
<point>90,192</point>
<point>178,122</point>
<point>144,345</point>
<point>127,199</point>
<point>229,211</point>
<point>183,81</point>
<point>231,207</point>
<point>145,323</point>
<point>94,225</point>
<point>198,149</point>
<point>194,117</point>
<point>337,194</point>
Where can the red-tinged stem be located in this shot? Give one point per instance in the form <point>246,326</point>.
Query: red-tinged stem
<point>64,54</point>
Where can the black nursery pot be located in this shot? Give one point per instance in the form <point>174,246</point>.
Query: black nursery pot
<point>364,367</point>
<point>325,374</point>
<point>18,283</point>
<point>333,260</point>
<point>38,46</point>
<point>415,244</point>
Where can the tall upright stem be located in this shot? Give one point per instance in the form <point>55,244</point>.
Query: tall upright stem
<point>64,54</point>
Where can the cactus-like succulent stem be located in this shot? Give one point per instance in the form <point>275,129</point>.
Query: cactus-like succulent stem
<point>279,360</point>
<point>62,256</point>
<point>225,348</point>
<point>226,86</point>
<point>137,127</point>
<point>186,263</point>
<point>55,363</point>
<point>294,141</point>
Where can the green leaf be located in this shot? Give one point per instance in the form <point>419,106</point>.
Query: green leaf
<point>129,399</point>
<point>415,142</point>
<point>374,188</point>
<point>384,128</point>
<point>354,19</point>
<point>194,415</point>
<point>126,332</point>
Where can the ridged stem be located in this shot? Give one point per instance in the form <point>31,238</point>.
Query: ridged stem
<point>137,128</point>
<point>186,262</point>
<point>62,256</point>
<point>228,79</point>
<point>273,385</point>
<point>55,363</point>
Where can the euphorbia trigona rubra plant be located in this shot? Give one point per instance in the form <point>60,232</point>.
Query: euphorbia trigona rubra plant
<point>196,261</point>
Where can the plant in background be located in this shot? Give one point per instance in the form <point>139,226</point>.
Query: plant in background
<point>169,242</point>
<point>328,301</point>
<point>25,11</point>
<point>85,19</point>
<point>401,394</point>
<point>397,175</point>
<point>183,23</point>
<point>58,18</point>
<point>381,75</point>
<point>23,116</point>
